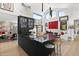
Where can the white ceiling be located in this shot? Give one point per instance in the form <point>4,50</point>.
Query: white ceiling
<point>37,7</point>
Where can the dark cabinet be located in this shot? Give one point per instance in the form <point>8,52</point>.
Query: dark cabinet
<point>30,46</point>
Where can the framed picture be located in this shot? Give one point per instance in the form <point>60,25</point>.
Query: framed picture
<point>63,22</point>
<point>63,25</point>
<point>7,6</point>
<point>53,25</point>
<point>63,18</point>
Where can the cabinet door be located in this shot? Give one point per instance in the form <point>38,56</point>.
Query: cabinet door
<point>39,28</point>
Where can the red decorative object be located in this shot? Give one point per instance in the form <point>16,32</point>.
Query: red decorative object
<point>0,33</point>
<point>52,37</point>
<point>62,33</point>
<point>53,25</point>
<point>3,32</point>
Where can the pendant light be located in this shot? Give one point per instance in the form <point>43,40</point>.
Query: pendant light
<point>50,11</point>
<point>42,7</point>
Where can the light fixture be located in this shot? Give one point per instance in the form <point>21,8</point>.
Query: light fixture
<point>42,7</point>
<point>50,11</point>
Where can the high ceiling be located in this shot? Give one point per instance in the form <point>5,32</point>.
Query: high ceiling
<point>37,7</point>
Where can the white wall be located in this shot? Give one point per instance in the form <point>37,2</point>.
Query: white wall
<point>18,10</point>
<point>69,22</point>
<point>73,14</point>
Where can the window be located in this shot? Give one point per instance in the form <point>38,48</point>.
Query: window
<point>38,19</point>
<point>54,14</point>
<point>37,16</point>
<point>61,13</point>
<point>48,16</point>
